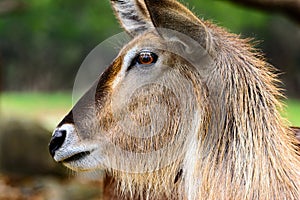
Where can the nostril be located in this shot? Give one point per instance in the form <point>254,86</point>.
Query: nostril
<point>57,140</point>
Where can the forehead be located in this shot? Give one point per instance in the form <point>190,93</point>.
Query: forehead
<point>149,40</point>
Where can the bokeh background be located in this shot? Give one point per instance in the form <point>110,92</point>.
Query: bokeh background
<point>42,45</point>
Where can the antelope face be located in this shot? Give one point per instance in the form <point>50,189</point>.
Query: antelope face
<point>138,115</point>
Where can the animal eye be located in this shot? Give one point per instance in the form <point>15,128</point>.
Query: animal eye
<point>144,58</point>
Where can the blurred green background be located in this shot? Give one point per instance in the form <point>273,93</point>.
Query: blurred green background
<point>43,42</point>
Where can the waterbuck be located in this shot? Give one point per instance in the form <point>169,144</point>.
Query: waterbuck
<point>186,110</point>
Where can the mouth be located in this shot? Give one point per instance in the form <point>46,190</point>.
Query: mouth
<point>76,157</point>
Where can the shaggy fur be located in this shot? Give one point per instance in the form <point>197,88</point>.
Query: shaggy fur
<point>217,121</point>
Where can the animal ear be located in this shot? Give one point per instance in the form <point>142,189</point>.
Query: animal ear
<point>133,15</point>
<point>138,16</point>
<point>170,14</point>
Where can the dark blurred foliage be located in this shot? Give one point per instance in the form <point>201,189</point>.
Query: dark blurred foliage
<point>43,43</point>
<point>290,8</point>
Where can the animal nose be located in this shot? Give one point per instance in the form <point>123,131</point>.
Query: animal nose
<point>57,140</point>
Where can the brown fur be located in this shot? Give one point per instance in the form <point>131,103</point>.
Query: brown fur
<point>241,147</point>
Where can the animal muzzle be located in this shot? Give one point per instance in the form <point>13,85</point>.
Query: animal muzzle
<point>62,138</point>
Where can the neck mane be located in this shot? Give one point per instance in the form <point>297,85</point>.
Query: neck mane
<point>248,152</point>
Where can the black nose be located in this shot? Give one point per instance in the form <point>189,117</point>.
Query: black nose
<point>57,140</point>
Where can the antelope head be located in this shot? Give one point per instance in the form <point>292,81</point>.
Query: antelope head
<point>184,107</point>
<point>143,111</point>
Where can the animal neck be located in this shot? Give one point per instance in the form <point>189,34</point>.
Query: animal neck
<point>156,185</point>
<point>248,152</point>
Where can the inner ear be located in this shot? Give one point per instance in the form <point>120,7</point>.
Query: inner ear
<point>133,16</point>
